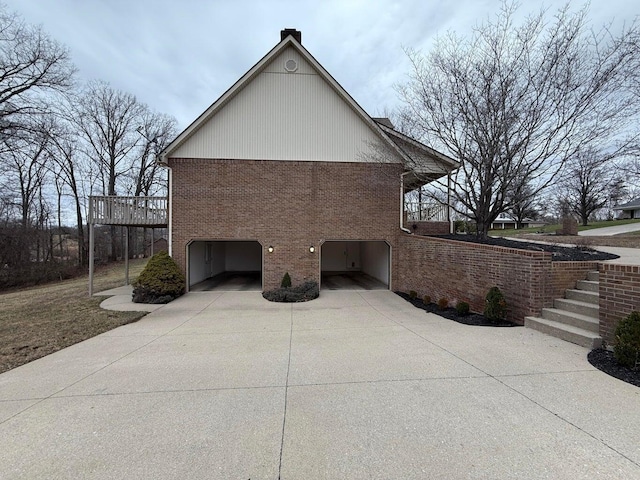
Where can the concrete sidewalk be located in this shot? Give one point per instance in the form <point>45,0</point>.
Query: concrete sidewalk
<point>351,385</point>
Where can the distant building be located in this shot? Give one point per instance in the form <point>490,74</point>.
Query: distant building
<point>505,221</point>
<point>630,209</point>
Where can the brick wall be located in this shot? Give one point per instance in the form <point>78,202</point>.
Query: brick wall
<point>619,296</point>
<point>429,228</point>
<point>461,271</point>
<point>565,275</point>
<point>289,205</point>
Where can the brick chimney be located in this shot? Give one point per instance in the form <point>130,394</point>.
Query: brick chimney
<point>293,32</point>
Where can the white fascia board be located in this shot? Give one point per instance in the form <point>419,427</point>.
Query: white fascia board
<point>453,164</point>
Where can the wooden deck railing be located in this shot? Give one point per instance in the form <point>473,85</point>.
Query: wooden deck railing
<point>115,210</point>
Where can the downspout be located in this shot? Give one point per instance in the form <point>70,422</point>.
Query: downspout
<point>406,230</point>
<point>170,212</point>
<point>162,161</point>
<point>449,204</point>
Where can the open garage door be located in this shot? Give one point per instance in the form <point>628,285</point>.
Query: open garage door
<point>355,265</point>
<point>225,265</point>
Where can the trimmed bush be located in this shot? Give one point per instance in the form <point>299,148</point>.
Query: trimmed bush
<point>413,294</point>
<point>160,282</point>
<point>495,305</point>
<point>286,281</point>
<point>627,348</point>
<point>426,299</point>
<point>462,308</point>
<point>302,293</point>
<point>443,303</point>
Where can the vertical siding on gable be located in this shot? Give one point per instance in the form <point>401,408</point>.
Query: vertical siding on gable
<point>283,116</point>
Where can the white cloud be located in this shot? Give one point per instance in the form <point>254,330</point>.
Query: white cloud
<point>179,56</point>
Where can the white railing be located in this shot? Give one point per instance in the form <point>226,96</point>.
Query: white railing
<point>425,211</point>
<point>115,210</point>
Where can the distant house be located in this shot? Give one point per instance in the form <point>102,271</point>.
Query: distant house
<point>505,221</point>
<point>630,209</point>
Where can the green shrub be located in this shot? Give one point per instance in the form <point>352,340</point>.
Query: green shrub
<point>495,305</point>
<point>160,282</point>
<point>627,348</point>
<point>286,281</point>
<point>462,308</point>
<point>413,294</point>
<point>302,293</point>
<point>443,303</point>
<point>426,299</point>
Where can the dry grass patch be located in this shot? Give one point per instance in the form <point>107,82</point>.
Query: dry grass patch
<point>37,321</point>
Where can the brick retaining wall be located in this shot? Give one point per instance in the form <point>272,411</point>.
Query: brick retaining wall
<point>564,275</point>
<point>619,296</point>
<point>462,271</point>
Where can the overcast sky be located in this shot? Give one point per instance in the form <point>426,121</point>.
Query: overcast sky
<point>179,56</point>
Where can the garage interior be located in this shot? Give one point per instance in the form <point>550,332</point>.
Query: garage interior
<point>355,265</point>
<point>225,265</point>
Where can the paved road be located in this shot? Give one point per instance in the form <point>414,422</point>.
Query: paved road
<point>607,231</point>
<point>351,385</point>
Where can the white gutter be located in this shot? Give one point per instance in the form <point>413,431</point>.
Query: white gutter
<point>406,230</point>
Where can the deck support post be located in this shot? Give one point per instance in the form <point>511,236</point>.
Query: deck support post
<point>91,252</point>
<point>126,255</point>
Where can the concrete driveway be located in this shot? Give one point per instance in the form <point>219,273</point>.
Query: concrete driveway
<point>608,231</point>
<point>351,385</point>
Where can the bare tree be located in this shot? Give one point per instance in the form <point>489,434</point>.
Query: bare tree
<point>514,102</point>
<point>107,119</point>
<point>156,130</point>
<point>32,65</point>
<point>23,172</point>
<point>67,166</point>
<point>587,182</point>
<point>523,204</point>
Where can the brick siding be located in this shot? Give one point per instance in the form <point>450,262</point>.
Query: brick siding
<point>619,296</point>
<point>290,205</point>
<point>429,228</point>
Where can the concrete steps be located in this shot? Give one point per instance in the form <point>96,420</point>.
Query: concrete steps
<point>574,318</point>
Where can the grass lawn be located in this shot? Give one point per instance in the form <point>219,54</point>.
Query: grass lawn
<point>552,228</point>
<point>37,321</point>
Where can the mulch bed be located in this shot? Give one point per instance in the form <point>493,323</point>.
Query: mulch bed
<point>579,253</point>
<point>474,319</point>
<point>604,361</point>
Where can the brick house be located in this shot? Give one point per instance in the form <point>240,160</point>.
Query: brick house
<point>285,172</point>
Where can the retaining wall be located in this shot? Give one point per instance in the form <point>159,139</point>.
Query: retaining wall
<point>619,296</point>
<point>462,271</point>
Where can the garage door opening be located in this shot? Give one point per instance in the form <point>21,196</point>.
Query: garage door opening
<point>225,265</point>
<point>355,265</point>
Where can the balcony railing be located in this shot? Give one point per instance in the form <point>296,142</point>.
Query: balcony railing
<point>425,212</point>
<point>115,210</point>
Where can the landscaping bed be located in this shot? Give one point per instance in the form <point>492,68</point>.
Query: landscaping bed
<point>604,361</point>
<point>475,319</point>
<point>579,253</point>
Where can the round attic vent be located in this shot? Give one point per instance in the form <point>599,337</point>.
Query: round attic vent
<point>291,65</point>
